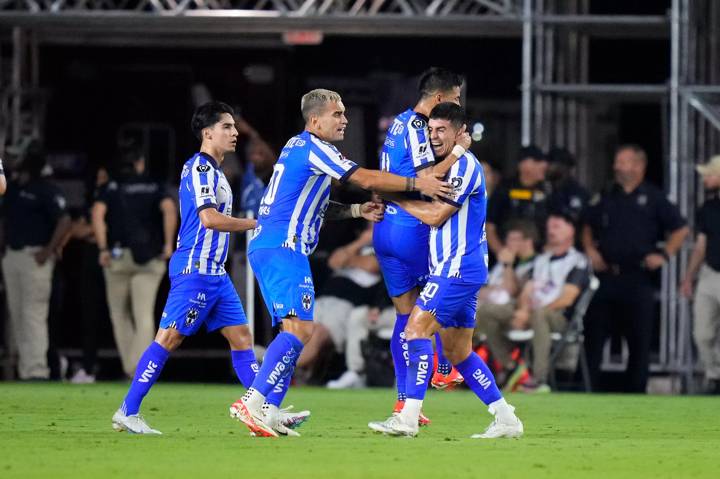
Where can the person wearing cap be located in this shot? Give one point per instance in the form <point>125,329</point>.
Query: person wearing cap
<point>705,259</point>
<point>623,228</point>
<point>524,196</point>
<point>567,193</point>
<point>36,221</point>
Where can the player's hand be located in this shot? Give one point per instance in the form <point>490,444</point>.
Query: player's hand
<point>42,256</point>
<point>520,319</point>
<point>167,251</point>
<point>433,187</point>
<point>597,261</point>
<point>506,255</point>
<point>686,288</point>
<point>372,211</point>
<point>104,258</point>
<point>654,261</point>
<point>463,138</point>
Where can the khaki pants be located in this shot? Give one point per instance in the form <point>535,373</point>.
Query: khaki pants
<point>706,330</point>
<point>131,292</point>
<point>28,288</point>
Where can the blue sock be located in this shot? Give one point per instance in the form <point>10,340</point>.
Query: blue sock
<point>443,366</point>
<point>245,366</point>
<point>279,362</point>
<point>479,378</point>
<point>420,368</point>
<point>147,371</point>
<point>278,393</point>
<point>398,348</point>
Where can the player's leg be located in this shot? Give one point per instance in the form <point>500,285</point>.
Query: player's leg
<point>242,353</point>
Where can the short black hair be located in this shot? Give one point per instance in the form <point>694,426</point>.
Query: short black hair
<point>207,115</point>
<point>525,227</point>
<point>635,148</point>
<point>126,158</point>
<point>531,151</point>
<point>436,80</point>
<point>561,156</point>
<point>566,214</point>
<point>33,159</point>
<point>450,112</point>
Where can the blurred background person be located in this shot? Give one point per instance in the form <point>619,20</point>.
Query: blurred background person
<point>35,223</point>
<point>567,192</point>
<point>3,180</point>
<point>134,221</point>
<point>624,226</point>
<point>705,259</point>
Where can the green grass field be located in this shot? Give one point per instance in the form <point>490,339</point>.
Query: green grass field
<point>58,430</point>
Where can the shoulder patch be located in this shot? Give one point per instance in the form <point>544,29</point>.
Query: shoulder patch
<point>418,123</point>
<point>203,168</point>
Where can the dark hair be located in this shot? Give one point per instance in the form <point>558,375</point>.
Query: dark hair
<point>126,158</point>
<point>566,214</point>
<point>531,151</point>
<point>438,80</point>
<point>635,148</point>
<point>561,156</point>
<point>34,159</point>
<point>207,115</point>
<point>450,112</point>
<point>525,227</point>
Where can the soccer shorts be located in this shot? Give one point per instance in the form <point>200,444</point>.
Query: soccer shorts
<point>451,300</point>
<point>196,299</point>
<point>402,252</point>
<point>285,282</point>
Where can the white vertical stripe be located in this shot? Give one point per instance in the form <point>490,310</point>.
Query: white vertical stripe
<point>416,156</point>
<point>205,251</point>
<point>433,248</point>
<point>461,240</point>
<point>323,167</point>
<point>295,217</point>
<point>306,229</point>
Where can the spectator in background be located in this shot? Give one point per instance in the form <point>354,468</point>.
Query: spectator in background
<point>706,259</point>
<point>523,196</point>
<point>492,176</point>
<point>134,221</point>
<point>567,193</point>
<point>36,222</point>
<point>3,181</point>
<point>624,226</point>
<point>258,167</point>
<point>558,277</point>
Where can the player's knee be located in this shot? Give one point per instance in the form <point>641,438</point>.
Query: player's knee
<point>456,355</point>
<point>170,339</point>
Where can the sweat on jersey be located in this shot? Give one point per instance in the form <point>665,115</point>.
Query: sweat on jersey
<point>406,151</point>
<point>458,248</point>
<point>293,207</point>
<point>199,249</point>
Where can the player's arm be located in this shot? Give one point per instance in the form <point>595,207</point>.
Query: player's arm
<point>99,226</point>
<point>370,210</point>
<point>431,213</point>
<point>462,143</point>
<point>169,214</point>
<point>388,183</point>
<point>212,219</point>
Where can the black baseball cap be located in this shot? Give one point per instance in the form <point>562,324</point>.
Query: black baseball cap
<point>531,151</point>
<point>561,156</point>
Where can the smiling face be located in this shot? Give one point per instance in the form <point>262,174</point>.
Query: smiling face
<point>442,136</point>
<point>221,136</point>
<point>329,125</point>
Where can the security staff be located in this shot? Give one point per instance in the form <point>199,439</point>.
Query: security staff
<point>568,194</point>
<point>624,226</point>
<point>35,224</point>
<point>522,197</point>
<point>134,223</point>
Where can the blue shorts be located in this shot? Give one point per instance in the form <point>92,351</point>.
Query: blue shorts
<point>402,252</point>
<point>285,282</point>
<point>196,299</point>
<point>451,300</point>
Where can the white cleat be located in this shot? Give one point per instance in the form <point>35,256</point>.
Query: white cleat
<point>293,419</point>
<point>254,422</point>
<point>134,424</point>
<point>498,429</point>
<point>395,426</point>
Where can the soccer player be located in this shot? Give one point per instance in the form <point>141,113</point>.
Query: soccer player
<point>400,240</point>
<point>290,216</point>
<point>447,303</point>
<point>201,292</point>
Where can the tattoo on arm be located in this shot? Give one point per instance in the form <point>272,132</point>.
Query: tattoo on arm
<point>338,211</point>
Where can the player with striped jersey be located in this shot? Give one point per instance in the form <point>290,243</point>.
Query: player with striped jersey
<point>201,293</point>
<point>291,213</point>
<point>447,303</point>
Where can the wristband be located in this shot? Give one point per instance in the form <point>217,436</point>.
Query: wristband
<point>355,210</point>
<point>458,151</point>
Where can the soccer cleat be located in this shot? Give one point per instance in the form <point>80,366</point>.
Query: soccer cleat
<point>134,424</point>
<point>82,377</point>
<point>446,381</point>
<point>395,426</point>
<point>255,423</point>
<point>498,429</point>
<point>423,420</point>
<point>293,420</point>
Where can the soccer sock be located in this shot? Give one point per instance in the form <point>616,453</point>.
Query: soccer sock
<point>398,348</point>
<point>419,371</point>
<point>147,371</point>
<point>245,366</point>
<point>279,362</point>
<point>479,378</point>
<point>443,365</point>
<point>278,393</point>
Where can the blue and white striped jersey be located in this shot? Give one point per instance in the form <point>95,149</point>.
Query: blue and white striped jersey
<point>458,248</point>
<point>406,151</point>
<point>202,185</point>
<point>293,206</point>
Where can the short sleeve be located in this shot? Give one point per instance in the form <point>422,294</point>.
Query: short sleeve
<point>466,178</point>
<point>326,159</point>
<point>579,276</point>
<point>55,203</point>
<point>201,184</point>
<point>419,142</point>
<point>670,217</point>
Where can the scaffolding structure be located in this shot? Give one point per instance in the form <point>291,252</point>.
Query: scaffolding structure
<point>555,86</point>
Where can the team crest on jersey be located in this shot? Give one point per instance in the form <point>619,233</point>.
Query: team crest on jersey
<point>306,301</point>
<point>418,123</point>
<point>191,317</point>
<point>203,168</point>
<point>457,182</point>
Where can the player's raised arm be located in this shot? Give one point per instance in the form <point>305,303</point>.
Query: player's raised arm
<point>388,183</point>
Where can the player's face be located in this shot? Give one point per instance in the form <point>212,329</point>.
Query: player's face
<point>442,136</point>
<point>331,123</point>
<point>452,96</point>
<point>223,134</point>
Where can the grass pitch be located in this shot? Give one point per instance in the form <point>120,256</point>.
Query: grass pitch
<point>60,430</point>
